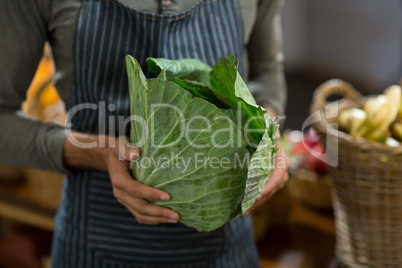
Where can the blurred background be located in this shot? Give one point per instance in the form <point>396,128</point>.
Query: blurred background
<point>359,41</point>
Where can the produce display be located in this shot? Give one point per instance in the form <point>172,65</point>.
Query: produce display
<point>298,146</point>
<point>203,138</point>
<point>379,120</point>
<point>310,182</point>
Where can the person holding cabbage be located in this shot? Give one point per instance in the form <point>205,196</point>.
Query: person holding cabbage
<point>107,218</point>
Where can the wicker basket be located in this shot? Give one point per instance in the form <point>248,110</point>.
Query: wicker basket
<point>367,187</point>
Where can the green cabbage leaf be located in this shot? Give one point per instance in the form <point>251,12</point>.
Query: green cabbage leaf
<point>203,139</point>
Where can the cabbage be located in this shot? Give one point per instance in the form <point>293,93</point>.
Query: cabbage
<point>203,138</point>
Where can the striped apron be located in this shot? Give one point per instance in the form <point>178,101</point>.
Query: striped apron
<point>92,229</point>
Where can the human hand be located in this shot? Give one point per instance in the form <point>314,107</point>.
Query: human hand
<point>132,194</point>
<point>279,175</point>
<point>278,179</point>
<point>114,158</point>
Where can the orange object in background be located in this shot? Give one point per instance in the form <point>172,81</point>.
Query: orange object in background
<point>43,102</point>
<point>43,76</point>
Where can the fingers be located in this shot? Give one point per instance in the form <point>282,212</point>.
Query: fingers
<point>279,175</point>
<point>143,211</point>
<point>142,191</point>
<point>143,208</point>
<point>132,194</point>
<point>123,181</point>
<point>150,214</point>
<point>270,188</point>
<point>278,186</point>
<point>256,204</point>
<point>277,180</point>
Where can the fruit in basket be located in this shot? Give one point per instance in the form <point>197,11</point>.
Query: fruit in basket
<point>396,129</point>
<point>380,109</point>
<point>394,95</point>
<point>353,121</point>
<point>381,112</point>
<point>378,135</point>
<point>379,119</point>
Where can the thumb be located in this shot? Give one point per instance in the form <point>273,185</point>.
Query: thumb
<point>127,151</point>
<point>132,153</point>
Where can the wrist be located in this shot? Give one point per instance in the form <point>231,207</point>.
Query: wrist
<point>82,151</point>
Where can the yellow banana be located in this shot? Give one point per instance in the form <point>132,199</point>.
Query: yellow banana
<point>353,121</point>
<point>378,110</point>
<point>400,112</point>
<point>378,117</point>
<point>396,130</point>
<point>368,106</point>
<point>394,95</point>
<point>345,120</point>
<point>379,133</point>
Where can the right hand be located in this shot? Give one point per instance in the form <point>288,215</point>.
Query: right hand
<point>114,159</point>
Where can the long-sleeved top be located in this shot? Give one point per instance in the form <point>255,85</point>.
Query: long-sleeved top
<point>25,25</point>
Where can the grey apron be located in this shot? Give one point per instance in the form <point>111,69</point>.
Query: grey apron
<point>92,228</point>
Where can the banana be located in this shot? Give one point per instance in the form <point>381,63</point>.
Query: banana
<point>353,121</point>
<point>379,109</point>
<point>396,130</point>
<point>379,133</point>
<point>380,115</point>
<point>400,112</point>
<point>394,95</point>
<point>345,120</point>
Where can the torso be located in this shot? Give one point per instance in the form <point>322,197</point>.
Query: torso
<point>92,228</point>
<point>64,17</point>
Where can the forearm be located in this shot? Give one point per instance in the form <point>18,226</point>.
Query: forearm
<point>27,142</point>
<point>266,76</point>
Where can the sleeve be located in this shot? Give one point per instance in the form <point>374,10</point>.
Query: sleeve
<point>266,76</point>
<point>24,141</point>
